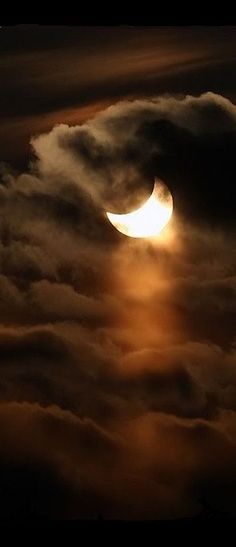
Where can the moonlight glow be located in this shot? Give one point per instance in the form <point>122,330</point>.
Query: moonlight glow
<point>148,220</point>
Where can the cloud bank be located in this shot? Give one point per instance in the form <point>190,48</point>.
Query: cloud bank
<point>118,384</point>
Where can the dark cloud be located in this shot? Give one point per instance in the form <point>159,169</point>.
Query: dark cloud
<point>186,142</point>
<point>54,473</point>
<point>117,356</point>
<point>40,481</point>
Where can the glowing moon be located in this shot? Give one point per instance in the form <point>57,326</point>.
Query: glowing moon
<point>148,220</point>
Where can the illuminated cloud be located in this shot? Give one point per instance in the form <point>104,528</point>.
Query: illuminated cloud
<point>118,357</point>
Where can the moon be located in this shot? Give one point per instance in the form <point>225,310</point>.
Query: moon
<point>150,218</point>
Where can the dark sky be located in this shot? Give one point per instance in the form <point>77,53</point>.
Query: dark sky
<point>117,355</point>
<point>64,74</point>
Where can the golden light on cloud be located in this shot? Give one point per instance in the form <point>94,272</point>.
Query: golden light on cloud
<point>150,219</point>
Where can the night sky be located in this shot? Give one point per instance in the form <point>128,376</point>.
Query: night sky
<point>117,354</point>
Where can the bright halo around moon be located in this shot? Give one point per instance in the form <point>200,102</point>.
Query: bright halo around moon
<point>150,218</point>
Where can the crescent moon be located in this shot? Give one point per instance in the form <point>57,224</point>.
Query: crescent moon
<point>150,218</point>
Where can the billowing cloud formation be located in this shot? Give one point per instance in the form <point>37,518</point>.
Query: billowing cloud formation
<point>124,147</point>
<point>118,355</point>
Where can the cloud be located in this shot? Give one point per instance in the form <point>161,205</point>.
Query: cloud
<point>117,154</point>
<point>40,481</point>
<point>118,355</point>
<point>55,473</point>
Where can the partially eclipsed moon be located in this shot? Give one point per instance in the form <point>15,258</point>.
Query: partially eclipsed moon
<point>148,220</point>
